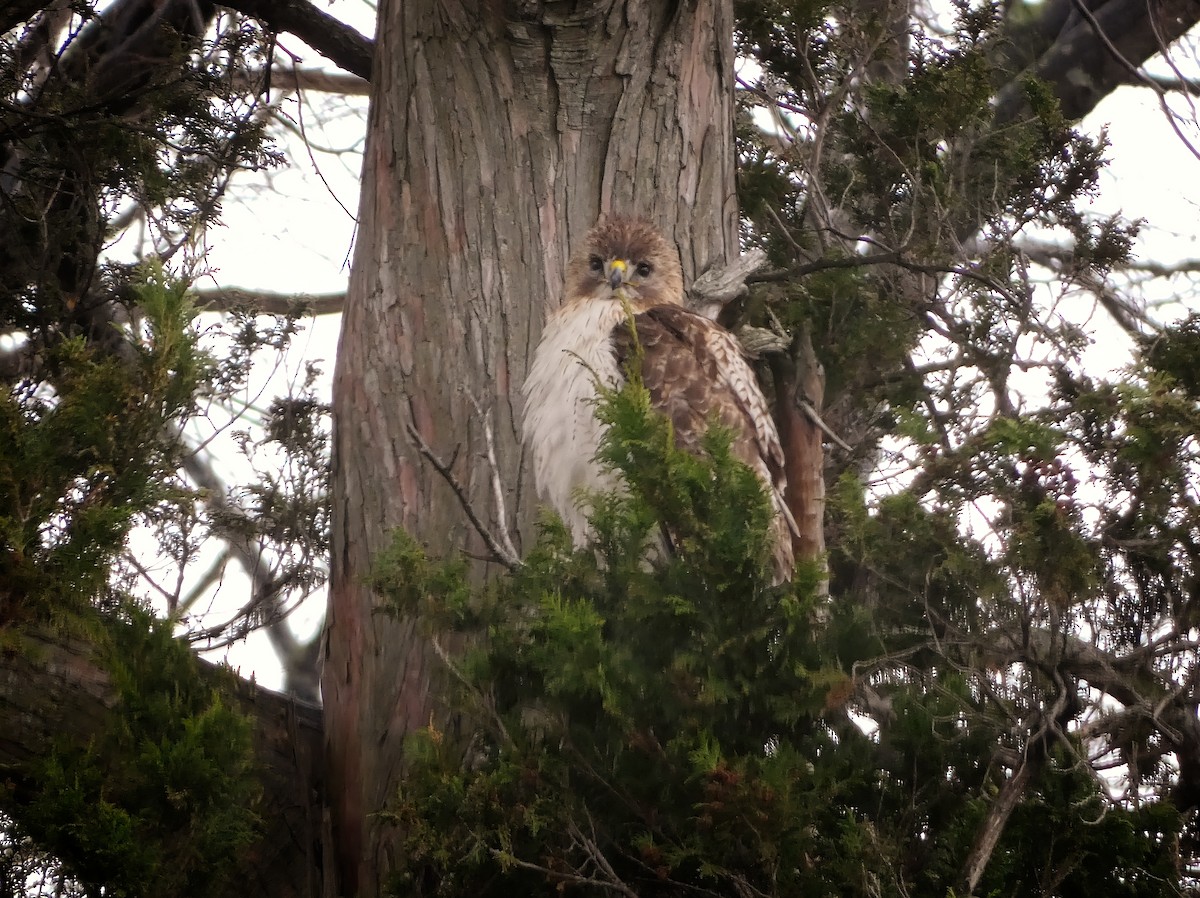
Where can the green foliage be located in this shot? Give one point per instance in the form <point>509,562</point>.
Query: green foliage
<point>161,802</point>
<point>891,135</point>
<point>1125,852</point>
<point>1175,352</point>
<point>1139,438</point>
<point>82,458</point>
<point>922,613</point>
<point>678,725</point>
<point>712,536</point>
<point>115,114</point>
<point>629,713</point>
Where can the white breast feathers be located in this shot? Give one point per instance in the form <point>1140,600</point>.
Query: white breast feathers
<point>575,355</point>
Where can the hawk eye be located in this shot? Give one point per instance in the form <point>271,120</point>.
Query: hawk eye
<point>644,269</point>
<point>595,263</point>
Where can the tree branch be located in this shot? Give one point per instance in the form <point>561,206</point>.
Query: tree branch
<point>717,287</point>
<point>997,818</point>
<point>17,11</point>
<point>1169,710</point>
<point>298,659</point>
<point>1167,84</point>
<point>265,302</point>
<point>502,553</point>
<point>333,39</point>
<point>287,78</point>
<point>1082,74</point>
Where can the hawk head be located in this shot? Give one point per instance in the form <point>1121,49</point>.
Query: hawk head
<point>626,258</point>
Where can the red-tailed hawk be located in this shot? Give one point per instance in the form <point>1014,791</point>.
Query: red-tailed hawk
<point>692,367</point>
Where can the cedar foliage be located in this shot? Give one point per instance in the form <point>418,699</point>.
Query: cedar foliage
<point>85,452</point>
<point>624,706</point>
<point>660,725</point>
<point>162,802</point>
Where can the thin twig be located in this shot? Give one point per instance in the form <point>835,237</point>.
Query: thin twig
<point>593,851</point>
<point>560,876</point>
<point>502,555</point>
<point>1137,74</point>
<point>444,657</point>
<point>807,408</point>
<point>489,439</point>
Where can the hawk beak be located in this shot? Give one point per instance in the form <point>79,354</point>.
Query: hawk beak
<point>616,273</point>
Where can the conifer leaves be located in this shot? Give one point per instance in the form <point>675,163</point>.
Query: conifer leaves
<point>162,801</point>
<point>83,457</point>
<point>712,507</point>
<point>630,716</point>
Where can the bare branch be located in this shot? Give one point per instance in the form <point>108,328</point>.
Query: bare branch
<point>717,287</point>
<point>265,302</point>
<point>501,554</point>
<point>480,699</point>
<point>288,78</point>
<point>887,257</point>
<point>597,857</point>
<point>1059,258</point>
<point>1079,75</point>
<point>1166,84</point>
<point>997,818</point>
<point>489,438</point>
<point>562,877</point>
<point>1131,319</point>
<point>332,38</point>
<point>265,600</point>
<point>816,419</point>
<point>1135,74</point>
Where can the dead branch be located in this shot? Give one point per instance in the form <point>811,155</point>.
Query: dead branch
<point>332,38</point>
<point>717,287</point>
<point>489,438</point>
<point>299,659</point>
<point>288,78</point>
<point>264,302</point>
<point>501,554</point>
<point>997,818</point>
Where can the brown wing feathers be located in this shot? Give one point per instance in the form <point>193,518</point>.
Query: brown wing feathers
<point>695,374</point>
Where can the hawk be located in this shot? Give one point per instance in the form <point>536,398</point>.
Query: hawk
<point>692,367</point>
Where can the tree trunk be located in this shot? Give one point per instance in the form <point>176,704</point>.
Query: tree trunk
<point>498,133</point>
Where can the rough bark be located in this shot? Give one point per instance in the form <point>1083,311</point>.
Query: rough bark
<point>800,395</point>
<point>53,689</point>
<point>496,137</point>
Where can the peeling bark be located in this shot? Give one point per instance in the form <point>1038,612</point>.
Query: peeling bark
<point>800,393</point>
